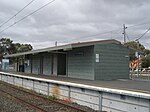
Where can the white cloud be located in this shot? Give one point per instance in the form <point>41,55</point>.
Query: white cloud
<point>69,20</point>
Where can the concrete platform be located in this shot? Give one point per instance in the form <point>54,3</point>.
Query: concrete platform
<point>112,96</point>
<point>121,84</point>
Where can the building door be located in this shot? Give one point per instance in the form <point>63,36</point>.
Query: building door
<point>62,64</point>
<point>54,64</point>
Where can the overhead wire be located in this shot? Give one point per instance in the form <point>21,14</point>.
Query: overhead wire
<point>107,32</point>
<point>16,13</point>
<point>27,16</point>
<point>50,3</point>
<point>127,36</point>
<point>115,30</point>
<point>138,24</point>
<point>143,34</point>
<point>119,29</point>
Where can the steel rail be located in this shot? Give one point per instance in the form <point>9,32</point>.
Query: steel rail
<point>24,102</point>
<point>44,98</point>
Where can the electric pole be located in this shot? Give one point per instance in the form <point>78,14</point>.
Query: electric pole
<point>56,43</point>
<point>124,33</point>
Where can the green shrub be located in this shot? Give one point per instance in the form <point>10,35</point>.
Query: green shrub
<point>53,97</point>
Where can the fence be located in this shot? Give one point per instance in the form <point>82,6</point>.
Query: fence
<point>142,73</point>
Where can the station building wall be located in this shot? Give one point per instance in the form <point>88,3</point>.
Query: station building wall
<point>39,64</point>
<point>47,64</point>
<point>36,64</point>
<point>80,63</point>
<point>113,62</point>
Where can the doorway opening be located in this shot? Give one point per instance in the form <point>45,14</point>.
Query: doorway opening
<point>59,64</point>
<point>62,64</point>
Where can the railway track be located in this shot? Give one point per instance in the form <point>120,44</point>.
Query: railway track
<point>24,102</point>
<point>36,101</point>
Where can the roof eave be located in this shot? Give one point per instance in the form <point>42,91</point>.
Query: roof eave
<point>64,47</point>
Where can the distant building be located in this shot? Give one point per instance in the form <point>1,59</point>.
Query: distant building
<point>93,60</point>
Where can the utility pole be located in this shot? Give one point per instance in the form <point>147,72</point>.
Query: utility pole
<point>56,43</point>
<point>124,33</point>
<point>138,56</point>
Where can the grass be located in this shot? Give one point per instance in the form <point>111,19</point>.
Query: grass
<point>53,97</point>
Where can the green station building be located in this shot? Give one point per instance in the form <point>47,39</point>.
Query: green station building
<point>93,60</point>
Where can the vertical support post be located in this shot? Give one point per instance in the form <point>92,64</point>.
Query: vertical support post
<point>138,67</point>
<point>7,78</point>
<point>132,70</point>
<point>17,65</point>
<point>1,76</point>
<point>100,101</point>
<point>69,93</point>
<point>22,82</point>
<point>48,89</point>
<point>41,64</point>
<point>31,63</point>
<point>13,80</point>
<point>149,105</point>
<point>67,65</point>
<point>33,84</point>
<point>23,63</point>
<point>51,64</point>
<point>148,74</point>
<point>138,56</point>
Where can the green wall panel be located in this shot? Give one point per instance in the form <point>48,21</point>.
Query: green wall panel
<point>113,63</point>
<point>80,63</point>
<point>47,64</point>
<point>36,64</point>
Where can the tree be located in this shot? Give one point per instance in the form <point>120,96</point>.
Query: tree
<point>146,61</point>
<point>21,48</point>
<point>146,51</point>
<point>5,44</point>
<point>8,47</point>
<point>135,45</point>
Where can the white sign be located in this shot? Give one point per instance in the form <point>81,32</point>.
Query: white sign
<point>5,64</point>
<point>97,58</point>
<point>137,54</point>
<point>5,60</point>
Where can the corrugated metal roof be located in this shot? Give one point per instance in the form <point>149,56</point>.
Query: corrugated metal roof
<point>89,42</point>
<point>49,49</point>
<point>63,47</point>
